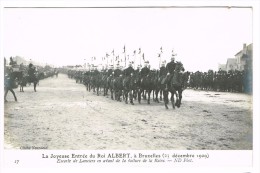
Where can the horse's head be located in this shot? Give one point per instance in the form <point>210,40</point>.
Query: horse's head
<point>179,66</point>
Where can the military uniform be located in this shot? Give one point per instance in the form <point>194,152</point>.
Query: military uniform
<point>170,67</point>
<point>163,71</point>
<point>128,71</point>
<point>117,73</point>
<point>145,71</point>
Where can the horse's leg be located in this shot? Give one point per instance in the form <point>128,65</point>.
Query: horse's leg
<point>12,91</point>
<point>144,94</point>
<point>112,93</point>
<point>177,98</point>
<point>180,97</point>
<point>117,95</point>
<point>126,97</point>
<point>139,95</point>
<point>34,86</point>
<point>149,93</point>
<point>161,94</point>
<point>165,96</point>
<point>153,96</point>
<point>172,99</point>
<point>6,91</point>
<point>131,97</point>
<point>123,93</point>
<point>156,95</point>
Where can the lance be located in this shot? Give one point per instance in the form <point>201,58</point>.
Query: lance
<point>159,55</point>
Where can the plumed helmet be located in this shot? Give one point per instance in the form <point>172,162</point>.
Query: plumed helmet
<point>173,58</point>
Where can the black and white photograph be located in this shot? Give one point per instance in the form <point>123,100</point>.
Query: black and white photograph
<point>150,78</point>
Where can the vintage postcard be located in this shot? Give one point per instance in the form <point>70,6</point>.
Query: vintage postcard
<point>145,86</point>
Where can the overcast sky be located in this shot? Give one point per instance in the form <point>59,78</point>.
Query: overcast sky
<point>201,37</point>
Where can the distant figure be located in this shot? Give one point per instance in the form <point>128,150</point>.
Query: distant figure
<point>56,72</point>
<point>31,72</point>
<point>12,62</point>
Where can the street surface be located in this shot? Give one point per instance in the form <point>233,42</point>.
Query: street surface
<point>63,115</point>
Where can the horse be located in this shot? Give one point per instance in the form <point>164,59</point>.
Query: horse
<point>118,87</point>
<point>175,85</point>
<point>97,80</point>
<point>147,84</point>
<point>32,78</point>
<point>128,85</point>
<point>159,87</point>
<point>56,73</point>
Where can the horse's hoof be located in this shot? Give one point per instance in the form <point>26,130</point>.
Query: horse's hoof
<point>132,103</point>
<point>166,107</point>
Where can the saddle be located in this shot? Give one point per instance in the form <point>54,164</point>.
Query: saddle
<point>176,79</point>
<point>31,78</point>
<point>163,80</point>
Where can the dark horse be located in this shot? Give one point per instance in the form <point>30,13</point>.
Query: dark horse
<point>118,87</point>
<point>128,85</point>
<point>32,78</point>
<point>175,85</point>
<point>147,84</point>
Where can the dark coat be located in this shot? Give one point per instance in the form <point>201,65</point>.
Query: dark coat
<point>171,67</point>
<point>128,71</point>
<point>145,71</point>
<point>163,71</point>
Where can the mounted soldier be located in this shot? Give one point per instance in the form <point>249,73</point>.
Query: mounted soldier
<point>128,83</point>
<point>117,71</point>
<point>170,67</point>
<point>163,70</point>
<point>130,70</point>
<point>145,71</point>
<point>9,83</point>
<point>110,70</point>
<point>31,72</point>
<point>138,70</point>
<point>12,62</point>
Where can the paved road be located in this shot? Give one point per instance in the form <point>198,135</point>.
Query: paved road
<point>63,115</point>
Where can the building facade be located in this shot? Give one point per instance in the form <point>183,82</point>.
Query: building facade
<point>244,57</point>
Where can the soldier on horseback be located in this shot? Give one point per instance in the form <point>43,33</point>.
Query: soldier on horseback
<point>145,71</point>
<point>130,70</point>
<point>9,83</point>
<point>163,70</point>
<point>138,70</point>
<point>117,71</point>
<point>170,67</point>
<point>127,83</point>
<point>31,72</point>
<point>12,62</point>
